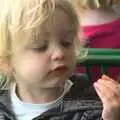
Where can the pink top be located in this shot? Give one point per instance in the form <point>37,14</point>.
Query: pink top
<point>102,36</point>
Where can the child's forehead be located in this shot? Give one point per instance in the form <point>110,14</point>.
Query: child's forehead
<point>58,22</point>
<point>54,22</point>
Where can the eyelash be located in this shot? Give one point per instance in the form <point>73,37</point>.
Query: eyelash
<point>68,41</point>
<point>43,48</point>
<point>67,44</point>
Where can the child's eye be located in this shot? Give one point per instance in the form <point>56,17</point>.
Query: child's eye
<point>67,43</point>
<point>41,48</point>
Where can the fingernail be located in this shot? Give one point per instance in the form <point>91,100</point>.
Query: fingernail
<point>105,77</point>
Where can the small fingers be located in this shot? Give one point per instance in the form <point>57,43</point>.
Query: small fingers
<point>106,94</point>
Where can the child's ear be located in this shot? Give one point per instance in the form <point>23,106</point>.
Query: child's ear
<point>5,65</point>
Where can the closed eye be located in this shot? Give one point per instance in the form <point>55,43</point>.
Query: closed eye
<point>40,46</point>
<point>38,49</point>
<point>67,41</point>
<point>67,44</point>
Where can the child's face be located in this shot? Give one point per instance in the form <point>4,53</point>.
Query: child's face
<point>48,63</point>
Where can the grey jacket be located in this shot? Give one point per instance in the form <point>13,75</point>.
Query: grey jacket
<point>81,103</point>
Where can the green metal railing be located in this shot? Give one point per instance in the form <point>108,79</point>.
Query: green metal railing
<point>104,58</point>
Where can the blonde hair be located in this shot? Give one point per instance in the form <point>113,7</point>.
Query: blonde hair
<point>93,4</point>
<point>18,20</point>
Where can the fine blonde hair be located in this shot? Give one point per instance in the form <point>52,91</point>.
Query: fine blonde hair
<point>18,21</point>
<point>93,4</point>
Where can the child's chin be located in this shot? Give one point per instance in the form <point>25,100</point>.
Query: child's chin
<point>58,82</point>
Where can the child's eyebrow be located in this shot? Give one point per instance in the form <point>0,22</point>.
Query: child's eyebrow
<point>71,31</point>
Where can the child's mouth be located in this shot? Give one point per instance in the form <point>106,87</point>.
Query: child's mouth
<point>60,69</point>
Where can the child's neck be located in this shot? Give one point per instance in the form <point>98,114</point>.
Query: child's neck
<point>98,16</point>
<point>40,96</point>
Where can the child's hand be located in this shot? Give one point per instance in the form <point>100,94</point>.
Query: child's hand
<point>109,92</point>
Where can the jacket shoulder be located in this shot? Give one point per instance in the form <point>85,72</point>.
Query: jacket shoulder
<point>82,88</point>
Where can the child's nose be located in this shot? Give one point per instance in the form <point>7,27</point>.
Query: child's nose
<point>58,54</point>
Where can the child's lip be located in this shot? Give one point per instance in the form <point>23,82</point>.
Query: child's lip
<point>61,68</point>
